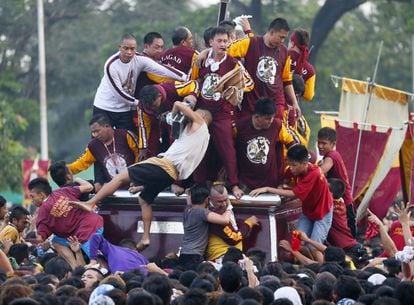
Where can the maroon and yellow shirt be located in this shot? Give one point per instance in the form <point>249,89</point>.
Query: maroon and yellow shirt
<point>180,57</point>
<point>56,216</point>
<point>260,159</point>
<point>269,68</point>
<point>308,75</point>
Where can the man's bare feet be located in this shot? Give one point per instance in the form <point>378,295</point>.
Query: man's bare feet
<point>142,245</point>
<point>88,207</point>
<point>133,189</point>
<point>177,190</point>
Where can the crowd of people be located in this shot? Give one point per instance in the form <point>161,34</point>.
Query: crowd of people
<point>225,120</point>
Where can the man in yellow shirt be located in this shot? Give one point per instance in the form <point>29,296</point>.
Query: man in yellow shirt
<point>223,237</point>
<point>17,224</point>
<point>111,149</point>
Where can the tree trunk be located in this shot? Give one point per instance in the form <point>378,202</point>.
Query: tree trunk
<point>325,20</point>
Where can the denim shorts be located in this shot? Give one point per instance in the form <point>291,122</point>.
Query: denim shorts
<point>317,230</point>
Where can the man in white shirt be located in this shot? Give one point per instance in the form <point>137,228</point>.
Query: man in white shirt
<point>115,94</point>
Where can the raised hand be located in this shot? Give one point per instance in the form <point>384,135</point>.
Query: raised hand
<point>74,244</point>
<point>403,212</point>
<point>374,218</point>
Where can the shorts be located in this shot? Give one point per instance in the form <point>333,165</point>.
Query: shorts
<point>152,177</point>
<point>85,246</point>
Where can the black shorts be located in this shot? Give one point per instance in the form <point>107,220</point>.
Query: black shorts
<point>152,177</point>
<point>119,120</point>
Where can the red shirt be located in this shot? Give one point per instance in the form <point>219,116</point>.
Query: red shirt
<point>313,190</point>
<point>338,170</point>
<point>307,71</point>
<point>340,235</point>
<point>56,216</point>
<point>397,236</point>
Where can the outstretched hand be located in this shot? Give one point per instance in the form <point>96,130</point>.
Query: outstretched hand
<point>374,218</point>
<point>258,191</point>
<point>74,243</point>
<point>237,192</point>
<point>403,212</point>
<point>303,236</point>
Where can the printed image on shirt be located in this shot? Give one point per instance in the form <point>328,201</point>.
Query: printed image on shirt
<point>266,69</point>
<point>257,150</point>
<point>115,164</point>
<point>129,84</point>
<point>210,82</point>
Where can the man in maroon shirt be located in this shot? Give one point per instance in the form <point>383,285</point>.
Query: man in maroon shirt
<point>56,216</point>
<point>333,166</point>
<point>153,48</point>
<point>267,60</point>
<point>155,101</point>
<point>182,55</point>
<point>298,52</point>
<point>221,147</point>
<point>259,146</point>
<point>340,235</point>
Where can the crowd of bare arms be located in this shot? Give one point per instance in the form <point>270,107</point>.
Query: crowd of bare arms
<point>225,120</point>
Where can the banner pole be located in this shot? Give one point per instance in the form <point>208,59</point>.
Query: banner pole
<point>370,87</point>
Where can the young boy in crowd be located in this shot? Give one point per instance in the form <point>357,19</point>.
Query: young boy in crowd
<point>333,166</point>
<point>311,188</point>
<point>340,234</point>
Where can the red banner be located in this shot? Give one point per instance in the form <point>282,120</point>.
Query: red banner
<point>371,149</point>
<point>385,194</point>
<point>32,169</point>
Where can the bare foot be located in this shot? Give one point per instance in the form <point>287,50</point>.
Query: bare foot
<point>133,189</point>
<point>177,190</point>
<point>142,245</point>
<point>82,205</point>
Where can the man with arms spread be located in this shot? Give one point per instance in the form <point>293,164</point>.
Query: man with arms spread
<point>115,94</point>
<point>112,149</point>
<point>156,173</point>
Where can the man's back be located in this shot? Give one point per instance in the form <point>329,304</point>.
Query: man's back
<point>187,151</point>
<point>338,170</point>
<point>195,231</point>
<point>56,216</point>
